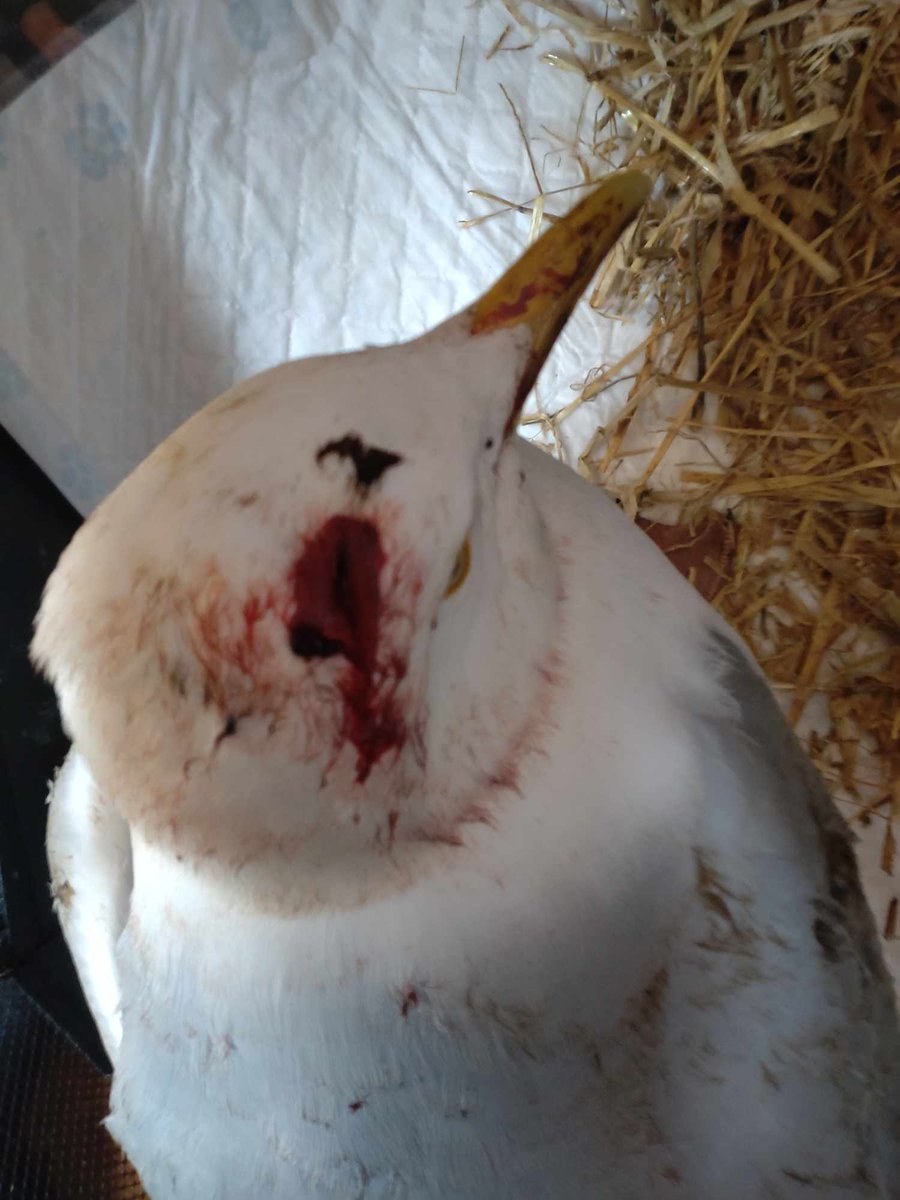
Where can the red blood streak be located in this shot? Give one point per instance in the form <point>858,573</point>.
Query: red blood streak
<point>549,281</point>
<point>337,594</point>
<point>374,726</point>
<point>218,648</point>
<point>254,610</point>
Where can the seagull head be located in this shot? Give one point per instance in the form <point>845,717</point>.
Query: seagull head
<point>309,641</point>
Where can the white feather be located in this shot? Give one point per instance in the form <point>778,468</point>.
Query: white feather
<point>89,852</point>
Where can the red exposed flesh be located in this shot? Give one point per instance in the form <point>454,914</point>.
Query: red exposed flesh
<point>337,592</point>
<point>336,587</point>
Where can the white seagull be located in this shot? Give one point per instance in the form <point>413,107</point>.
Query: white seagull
<point>424,833</point>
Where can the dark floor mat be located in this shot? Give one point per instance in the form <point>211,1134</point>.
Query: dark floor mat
<point>52,1102</point>
<point>53,1098</point>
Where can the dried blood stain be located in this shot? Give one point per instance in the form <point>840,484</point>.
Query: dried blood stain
<point>550,281</point>
<point>217,648</point>
<point>409,999</point>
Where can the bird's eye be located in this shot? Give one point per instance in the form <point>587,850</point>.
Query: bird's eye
<point>460,569</point>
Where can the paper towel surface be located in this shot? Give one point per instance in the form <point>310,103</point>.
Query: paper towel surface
<point>210,187</point>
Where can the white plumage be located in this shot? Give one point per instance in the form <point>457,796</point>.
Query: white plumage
<point>380,888</point>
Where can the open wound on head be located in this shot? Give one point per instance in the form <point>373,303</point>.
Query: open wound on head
<point>338,610</point>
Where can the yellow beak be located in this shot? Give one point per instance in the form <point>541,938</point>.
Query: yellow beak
<point>541,289</point>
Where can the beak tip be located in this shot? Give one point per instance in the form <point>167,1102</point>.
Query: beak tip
<point>540,290</point>
<point>542,287</point>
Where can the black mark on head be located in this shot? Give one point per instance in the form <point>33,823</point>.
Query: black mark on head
<point>369,462</point>
<point>489,444</point>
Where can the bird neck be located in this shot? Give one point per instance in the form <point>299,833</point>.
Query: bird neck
<point>493,661</point>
